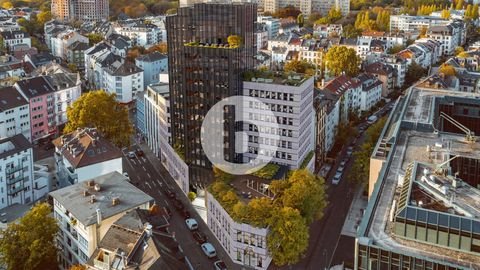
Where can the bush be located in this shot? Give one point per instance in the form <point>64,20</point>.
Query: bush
<point>192,195</point>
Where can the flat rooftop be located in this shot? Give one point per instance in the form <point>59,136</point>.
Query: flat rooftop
<point>412,149</point>
<point>77,198</point>
<point>275,77</point>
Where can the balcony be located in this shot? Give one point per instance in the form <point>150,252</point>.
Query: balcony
<point>11,181</point>
<point>15,169</point>
<point>15,190</point>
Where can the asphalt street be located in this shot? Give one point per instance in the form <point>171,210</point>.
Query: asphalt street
<point>147,173</point>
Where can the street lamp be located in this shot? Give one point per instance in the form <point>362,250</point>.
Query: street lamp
<point>325,256</point>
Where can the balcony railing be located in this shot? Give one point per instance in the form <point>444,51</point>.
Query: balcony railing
<point>17,168</point>
<point>15,190</point>
<point>11,181</point>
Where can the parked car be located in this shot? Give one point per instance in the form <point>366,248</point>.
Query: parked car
<point>349,151</point>
<point>219,265</point>
<point>126,175</point>
<point>199,237</point>
<point>131,155</point>
<point>343,162</point>
<point>209,250</point>
<point>178,204</point>
<point>192,224</point>
<point>139,152</point>
<point>336,178</point>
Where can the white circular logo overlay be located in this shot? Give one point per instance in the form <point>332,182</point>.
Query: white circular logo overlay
<point>257,141</point>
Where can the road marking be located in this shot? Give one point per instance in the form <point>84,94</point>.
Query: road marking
<point>133,161</point>
<point>144,159</point>
<point>165,200</point>
<point>144,168</point>
<point>154,184</point>
<point>148,175</point>
<point>148,184</point>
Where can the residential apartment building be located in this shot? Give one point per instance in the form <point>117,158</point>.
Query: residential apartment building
<point>87,210</point>
<point>414,24</point>
<point>67,89</point>
<point>390,39</point>
<point>85,154</point>
<point>327,117</point>
<point>371,91</point>
<point>97,59</point>
<point>193,89</point>
<point>14,38</point>
<point>16,164</point>
<point>327,30</point>
<point>141,32</point>
<point>76,54</point>
<point>14,114</point>
<point>146,235</point>
<point>124,79</point>
<point>81,10</point>
<point>272,24</point>
<point>152,65</point>
<point>448,35</point>
<point>41,97</point>
<point>61,42</point>
<point>308,6</point>
<point>384,73</point>
<point>349,91</point>
<point>157,116</point>
<point>423,191</point>
<point>292,105</point>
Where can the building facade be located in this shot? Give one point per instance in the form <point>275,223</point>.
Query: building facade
<point>292,105</point>
<point>152,65</point>
<point>16,164</point>
<point>204,69</point>
<point>84,154</point>
<point>123,79</point>
<point>14,114</point>
<point>82,10</point>
<point>85,211</point>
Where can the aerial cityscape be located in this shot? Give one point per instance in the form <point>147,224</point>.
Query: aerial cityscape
<point>239,134</point>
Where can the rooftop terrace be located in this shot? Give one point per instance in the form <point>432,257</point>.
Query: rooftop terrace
<point>275,77</point>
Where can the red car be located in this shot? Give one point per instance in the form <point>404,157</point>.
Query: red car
<point>199,237</point>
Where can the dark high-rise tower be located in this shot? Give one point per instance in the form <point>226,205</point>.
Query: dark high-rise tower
<point>204,69</point>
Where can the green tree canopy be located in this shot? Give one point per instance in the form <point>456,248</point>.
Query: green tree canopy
<point>300,66</point>
<point>288,236</point>
<point>100,110</point>
<point>342,59</point>
<point>447,70</point>
<point>30,243</point>
<point>414,73</point>
<point>300,20</point>
<point>94,38</point>
<point>305,192</point>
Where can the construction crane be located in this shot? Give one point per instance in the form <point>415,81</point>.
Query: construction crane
<point>469,135</point>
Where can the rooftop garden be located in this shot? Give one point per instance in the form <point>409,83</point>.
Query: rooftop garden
<point>279,77</point>
<point>306,160</point>
<point>297,202</point>
<point>267,172</point>
<point>233,42</point>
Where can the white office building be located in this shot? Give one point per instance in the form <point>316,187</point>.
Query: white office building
<point>123,79</point>
<point>290,98</point>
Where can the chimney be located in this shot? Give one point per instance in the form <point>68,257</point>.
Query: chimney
<point>92,199</point>
<point>99,216</point>
<point>115,201</point>
<point>97,187</point>
<point>91,183</point>
<point>94,142</point>
<point>85,193</point>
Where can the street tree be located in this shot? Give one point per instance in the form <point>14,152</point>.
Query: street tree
<point>7,5</point>
<point>288,235</point>
<point>341,59</point>
<point>78,267</point>
<point>414,73</point>
<point>99,109</point>
<point>306,192</point>
<point>30,243</point>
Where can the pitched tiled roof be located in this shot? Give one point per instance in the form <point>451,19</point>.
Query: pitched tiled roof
<point>35,87</point>
<point>341,84</point>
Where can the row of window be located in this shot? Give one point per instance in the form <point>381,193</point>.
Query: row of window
<point>275,154</point>
<point>271,130</point>
<point>271,95</point>
<point>272,142</point>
